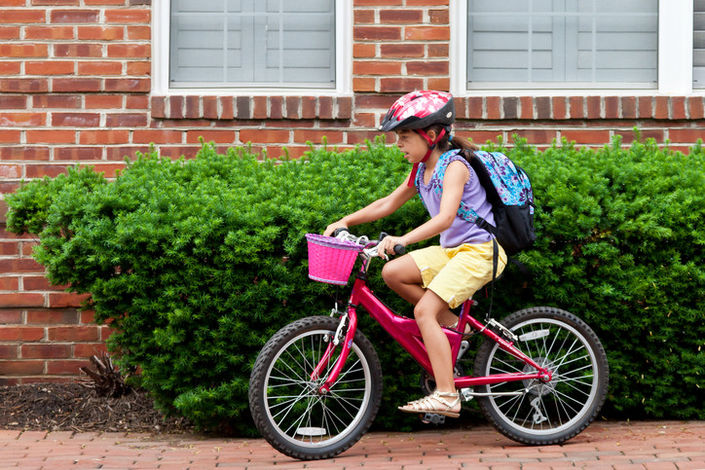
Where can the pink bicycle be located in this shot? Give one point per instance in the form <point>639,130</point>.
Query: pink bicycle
<point>540,376</point>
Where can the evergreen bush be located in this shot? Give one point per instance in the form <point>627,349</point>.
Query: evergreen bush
<point>195,263</point>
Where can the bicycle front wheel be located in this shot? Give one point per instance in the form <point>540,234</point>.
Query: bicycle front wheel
<point>540,413</point>
<point>290,412</point>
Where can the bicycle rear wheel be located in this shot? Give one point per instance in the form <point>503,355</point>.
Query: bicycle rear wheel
<point>286,405</point>
<point>538,413</point>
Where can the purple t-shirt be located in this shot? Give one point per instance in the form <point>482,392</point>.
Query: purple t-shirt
<point>474,196</point>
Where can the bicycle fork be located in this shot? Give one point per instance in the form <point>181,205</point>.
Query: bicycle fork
<point>350,317</point>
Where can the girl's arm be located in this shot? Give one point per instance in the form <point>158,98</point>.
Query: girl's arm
<point>454,181</point>
<point>376,210</point>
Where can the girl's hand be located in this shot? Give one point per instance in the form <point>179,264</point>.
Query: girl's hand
<point>333,227</point>
<point>386,246</point>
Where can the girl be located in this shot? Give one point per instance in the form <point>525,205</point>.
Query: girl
<point>437,278</point>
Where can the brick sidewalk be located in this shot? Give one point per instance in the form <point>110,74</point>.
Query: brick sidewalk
<point>612,445</point>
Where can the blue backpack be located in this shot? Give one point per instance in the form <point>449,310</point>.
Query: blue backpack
<point>509,192</point>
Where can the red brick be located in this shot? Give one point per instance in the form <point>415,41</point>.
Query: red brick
<point>157,136</point>
<point>400,85</point>
<point>89,349</point>
<point>36,283</point>
<point>57,101</point>
<point>308,107</point>
<point>73,333</point>
<point>8,316</point>
<point>64,85</point>
<point>129,51</point>
<point>439,16</point>
<point>75,119</point>
<point>137,102</point>
<point>100,33</point>
<point>51,136</point>
<point>104,137</point>
<point>325,107</point>
<point>21,367</point>
<point>628,136</point>
<point>140,68</point>
<point>377,33</point>
<point>427,33</point>
<point>594,107</point>
<point>23,119</point>
<point>7,249</point>
<point>120,153</point>
<point>127,16</point>
<point>9,32</point>
<point>9,283</point>
<point>558,106</point>
<point>55,2</point>
<point>645,107</point>
<point>10,68</point>
<point>13,102</point>
<point>227,109</point>
<point>686,135</point>
<point>376,67</point>
<point>40,171</point>
<point>126,120</point>
<point>128,85</point>
<point>400,16</point>
<point>427,68</point>
<point>25,85</point>
<point>99,68</point>
<point>344,108</point>
<point>24,153</point>
<point>78,50</point>
<point>264,136</point>
<point>218,136</point>
<point>438,50</point>
<point>362,85</point>
<point>476,107</point>
<point>695,107</point>
<point>140,33</point>
<point>49,68</point>
<point>536,136</point>
<point>49,32</point>
<point>661,107</point>
<point>494,107</point>
<point>318,136</point>
<point>45,351</point>
<point>364,16</point>
<point>23,50</point>
<point>8,351</point>
<point>21,333</point>
<point>611,107</point>
<point>678,107</point>
<point>23,16</point>
<point>629,110</point>
<point>10,171</point>
<point>66,367</point>
<point>78,153</point>
<point>10,136</point>
<point>527,107</point>
<point>19,265</point>
<point>588,136</point>
<point>402,50</point>
<point>74,16</point>
<point>364,51</point>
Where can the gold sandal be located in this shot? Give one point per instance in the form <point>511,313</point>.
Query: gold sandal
<point>435,403</point>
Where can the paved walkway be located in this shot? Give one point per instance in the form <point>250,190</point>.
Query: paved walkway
<point>606,445</point>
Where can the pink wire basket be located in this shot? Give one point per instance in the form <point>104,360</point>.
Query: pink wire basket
<point>330,260</point>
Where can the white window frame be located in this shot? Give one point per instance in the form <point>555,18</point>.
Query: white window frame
<point>675,57</point>
<point>161,23</point>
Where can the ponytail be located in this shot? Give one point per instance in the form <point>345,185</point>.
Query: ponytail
<point>450,142</point>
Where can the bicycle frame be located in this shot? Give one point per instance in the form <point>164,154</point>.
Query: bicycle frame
<point>406,332</point>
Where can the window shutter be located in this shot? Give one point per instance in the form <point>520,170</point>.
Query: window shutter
<point>591,43</point>
<point>253,43</point>
<point>699,44</point>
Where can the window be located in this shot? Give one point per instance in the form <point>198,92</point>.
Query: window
<point>699,44</point>
<point>251,45</point>
<point>578,46</point>
<point>577,43</point>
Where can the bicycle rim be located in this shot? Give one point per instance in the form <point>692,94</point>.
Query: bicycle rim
<point>545,408</point>
<point>297,411</point>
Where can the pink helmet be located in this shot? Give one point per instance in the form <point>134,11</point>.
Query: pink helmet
<point>419,110</point>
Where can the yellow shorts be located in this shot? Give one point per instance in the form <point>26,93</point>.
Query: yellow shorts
<point>455,274</point>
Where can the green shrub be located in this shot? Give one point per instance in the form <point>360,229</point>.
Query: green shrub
<point>196,263</point>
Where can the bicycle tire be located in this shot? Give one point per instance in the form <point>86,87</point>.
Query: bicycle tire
<point>553,412</point>
<point>280,381</point>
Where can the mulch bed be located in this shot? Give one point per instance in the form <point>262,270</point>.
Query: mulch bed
<point>74,407</point>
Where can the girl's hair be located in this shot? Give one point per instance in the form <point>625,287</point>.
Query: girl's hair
<point>456,142</point>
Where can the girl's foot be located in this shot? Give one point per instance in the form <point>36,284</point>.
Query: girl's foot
<point>436,403</point>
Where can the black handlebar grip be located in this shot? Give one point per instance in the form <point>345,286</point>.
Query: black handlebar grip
<point>399,249</point>
<point>338,230</point>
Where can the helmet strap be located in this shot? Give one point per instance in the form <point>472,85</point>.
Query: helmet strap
<point>431,145</point>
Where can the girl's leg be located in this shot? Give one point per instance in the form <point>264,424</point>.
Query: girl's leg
<point>402,275</point>
<point>427,312</point>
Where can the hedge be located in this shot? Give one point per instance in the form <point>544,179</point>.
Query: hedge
<point>195,263</point>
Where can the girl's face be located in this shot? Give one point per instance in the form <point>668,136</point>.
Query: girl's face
<point>412,144</point>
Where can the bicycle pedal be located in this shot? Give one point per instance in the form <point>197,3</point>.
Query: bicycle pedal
<point>433,418</point>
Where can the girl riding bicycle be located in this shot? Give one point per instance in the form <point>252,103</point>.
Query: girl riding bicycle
<point>437,278</point>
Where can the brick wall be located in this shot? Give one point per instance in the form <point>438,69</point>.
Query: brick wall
<point>75,89</point>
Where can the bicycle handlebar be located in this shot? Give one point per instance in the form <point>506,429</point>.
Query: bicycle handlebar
<point>344,234</point>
